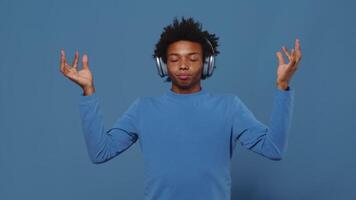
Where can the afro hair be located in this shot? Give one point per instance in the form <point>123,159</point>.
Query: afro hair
<point>186,29</point>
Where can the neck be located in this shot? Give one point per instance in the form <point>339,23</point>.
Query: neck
<point>183,90</point>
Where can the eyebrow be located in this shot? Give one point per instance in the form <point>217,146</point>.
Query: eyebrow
<point>176,54</point>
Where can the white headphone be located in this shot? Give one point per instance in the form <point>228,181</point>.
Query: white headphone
<point>209,65</point>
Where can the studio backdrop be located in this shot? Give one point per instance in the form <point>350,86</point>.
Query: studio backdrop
<point>42,148</point>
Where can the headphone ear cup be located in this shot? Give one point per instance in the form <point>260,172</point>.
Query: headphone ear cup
<point>211,66</point>
<point>164,68</point>
<point>161,67</point>
<point>205,68</point>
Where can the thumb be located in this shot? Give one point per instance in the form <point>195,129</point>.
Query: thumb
<point>85,61</point>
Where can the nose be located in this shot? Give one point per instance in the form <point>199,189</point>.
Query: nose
<point>183,64</point>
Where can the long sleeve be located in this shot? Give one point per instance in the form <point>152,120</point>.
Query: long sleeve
<point>270,141</point>
<point>102,144</point>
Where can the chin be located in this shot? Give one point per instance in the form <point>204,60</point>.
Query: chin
<point>184,85</point>
<point>180,84</point>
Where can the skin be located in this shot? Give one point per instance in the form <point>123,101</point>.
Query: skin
<point>185,57</point>
<point>285,70</point>
<point>83,77</point>
<point>182,57</point>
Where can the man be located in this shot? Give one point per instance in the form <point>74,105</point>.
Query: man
<point>187,135</point>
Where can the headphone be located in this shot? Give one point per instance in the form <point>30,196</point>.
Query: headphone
<point>208,68</point>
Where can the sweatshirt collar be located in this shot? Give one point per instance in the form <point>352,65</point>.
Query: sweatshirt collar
<point>175,95</point>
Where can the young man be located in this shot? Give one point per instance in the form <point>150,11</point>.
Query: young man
<point>187,135</point>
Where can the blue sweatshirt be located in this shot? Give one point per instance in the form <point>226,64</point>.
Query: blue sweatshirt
<point>187,140</point>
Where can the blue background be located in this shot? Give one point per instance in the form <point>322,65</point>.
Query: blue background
<point>42,149</point>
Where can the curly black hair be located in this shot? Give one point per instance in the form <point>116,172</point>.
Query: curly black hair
<point>187,29</point>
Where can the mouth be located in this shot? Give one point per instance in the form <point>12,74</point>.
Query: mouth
<point>183,76</point>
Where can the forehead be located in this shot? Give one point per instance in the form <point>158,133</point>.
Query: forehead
<point>183,47</point>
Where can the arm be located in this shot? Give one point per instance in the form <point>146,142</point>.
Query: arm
<point>104,145</point>
<point>269,141</point>
<point>101,145</point>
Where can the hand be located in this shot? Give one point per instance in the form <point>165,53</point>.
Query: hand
<point>82,77</point>
<point>286,71</point>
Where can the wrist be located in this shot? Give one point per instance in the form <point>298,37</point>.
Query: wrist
<point>88,90</point>
<point>282,85</point>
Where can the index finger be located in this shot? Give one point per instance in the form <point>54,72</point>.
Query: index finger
<point>62,60</point>
<point>297,44</point>
<point>298,49</point>
<point>75,61</point>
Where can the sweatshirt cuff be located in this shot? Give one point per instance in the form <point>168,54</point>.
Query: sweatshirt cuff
<point>88,99</point>
<point>285,93</point>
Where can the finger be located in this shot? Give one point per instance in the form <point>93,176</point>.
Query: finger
<point>64,63</point>
<point>293,56</point>
<point>298,50</point>
<point>285,50</point>
<point>293,65</point>
<point>85,61</point>
<point>75,61</point>
<point>293,60</point>
<point>280,58</point>
<point>62,60</point>
<point>297,44</point>
<point>292,53</point>
<point>66,69</point>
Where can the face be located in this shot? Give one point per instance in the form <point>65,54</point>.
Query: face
<point>185,65</point>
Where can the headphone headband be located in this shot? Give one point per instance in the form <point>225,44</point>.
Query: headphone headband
<point>211,46</point>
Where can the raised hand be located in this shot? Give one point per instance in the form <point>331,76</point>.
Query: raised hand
<point>285,71</point>
<point>82,77</point>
